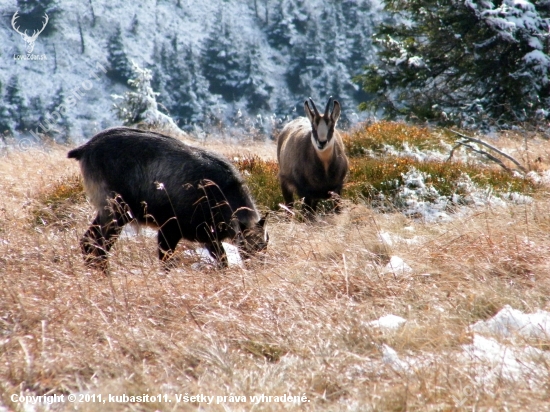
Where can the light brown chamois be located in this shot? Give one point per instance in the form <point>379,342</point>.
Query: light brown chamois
<point>312,161</point>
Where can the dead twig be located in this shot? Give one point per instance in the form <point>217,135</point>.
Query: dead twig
<point>468,139</point>
<point>482,152</point>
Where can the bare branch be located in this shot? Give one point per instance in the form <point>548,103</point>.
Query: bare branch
<point>491,157</point>
<point>482,152</point>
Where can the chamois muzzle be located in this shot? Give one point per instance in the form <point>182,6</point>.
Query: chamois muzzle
<point>321,145</point>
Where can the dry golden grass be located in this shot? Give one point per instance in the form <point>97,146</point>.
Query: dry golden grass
<point>294,323</point>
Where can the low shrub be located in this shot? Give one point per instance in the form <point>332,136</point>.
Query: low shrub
<point>53,206</point>
<point>261,178</point>
<point>377,136</point>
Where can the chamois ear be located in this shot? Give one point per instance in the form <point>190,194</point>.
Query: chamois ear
<point>308,111</point>
<point>335,115</point>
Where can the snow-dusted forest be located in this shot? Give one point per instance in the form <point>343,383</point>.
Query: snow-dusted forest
<point>247,62</point>
<point>249,65</point>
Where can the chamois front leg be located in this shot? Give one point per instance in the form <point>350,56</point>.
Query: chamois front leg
<point>337,200</point>
<point>168,238</point>
<point>288,195</point>
<point>310,207</point>
<point>215,248</point>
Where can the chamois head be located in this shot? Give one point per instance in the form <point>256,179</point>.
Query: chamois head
<point>322,125</point>
<point>252,240</point>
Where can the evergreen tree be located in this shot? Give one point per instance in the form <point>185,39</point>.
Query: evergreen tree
<point>120,68</point>
<point>185,91</point>
<point>56,120</point>
<point>16,105</point>
<point>306,67</point>
<point>222,64</point>
<point>139,107</point>
<point>257,90</point>
<point>134,25</point>
<point>6,122</point>
<point>36,109</point>
<point>290,21</point>
<point>462,62</point>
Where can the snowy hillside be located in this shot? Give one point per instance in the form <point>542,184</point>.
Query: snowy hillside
<point>212,62</point>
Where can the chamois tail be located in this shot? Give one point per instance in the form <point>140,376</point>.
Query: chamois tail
<point>75,153</point>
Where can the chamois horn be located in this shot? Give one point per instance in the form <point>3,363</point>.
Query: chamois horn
<point>314,108</point>
<point>329,103</point>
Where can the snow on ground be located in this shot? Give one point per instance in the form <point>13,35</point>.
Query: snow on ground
<point>510,323</point>
<point>486,359</point>
<point>490,361</point>
<point>232,252</point>
<point>422,201</point>
<point>388,322</point>
<point>540,178</point>
<point>392,359</point>
<point>397,266</point>
<point>391,239</point>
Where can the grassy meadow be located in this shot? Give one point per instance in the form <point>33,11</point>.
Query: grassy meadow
<point>296,321</point>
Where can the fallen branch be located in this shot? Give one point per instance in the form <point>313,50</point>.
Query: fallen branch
<point>488,155</point>
<point>482,152</point>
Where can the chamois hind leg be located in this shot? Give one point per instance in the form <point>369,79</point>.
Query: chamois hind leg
<point>99,238</point>
<point>168,237</point>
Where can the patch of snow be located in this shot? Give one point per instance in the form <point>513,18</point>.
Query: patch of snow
<point>509,322</point>
<point>391,358</point>
<point>233,256</point>
<point>542,178</point>
<point>419,199</point>
<point>389,322</point>
<point>416,61</point>
<point>232,252</point>
<point>132,230</point>
<point>386,238</point>
<point>492,361</point>
<point>391,239</point>
<point>397,266</point>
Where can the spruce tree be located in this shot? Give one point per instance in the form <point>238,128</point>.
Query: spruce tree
<point>462,62</point>
<point>139,107</point>
<point>182,88</point>
<point>222,64</point>
<point>36,109</point>
<point>290,21</point>
<point>16,105</point>
<point>57,118</point>
<point>257,91</point>
<point>120,68</point>
<point>306,67</point>
<point>6,122</point>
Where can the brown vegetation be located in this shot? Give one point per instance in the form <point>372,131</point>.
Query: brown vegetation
<point>294,323</point>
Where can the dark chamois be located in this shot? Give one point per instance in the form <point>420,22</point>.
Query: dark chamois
<point>312,161</point>
<point>132,175</point>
